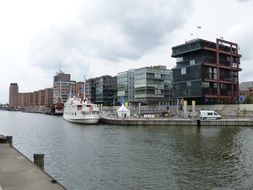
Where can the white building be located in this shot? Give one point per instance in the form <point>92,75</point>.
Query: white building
<point>61,86</point>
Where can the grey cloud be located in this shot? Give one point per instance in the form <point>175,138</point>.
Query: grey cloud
<point>115,30</point>
<point>144,24</point>
<point>241,34</point>
<point>244,0</point>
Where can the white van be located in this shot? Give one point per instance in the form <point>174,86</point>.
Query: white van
<point>209,114</point>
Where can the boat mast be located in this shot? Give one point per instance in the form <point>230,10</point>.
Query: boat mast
<point>59,95</point>
<point>84,98</point>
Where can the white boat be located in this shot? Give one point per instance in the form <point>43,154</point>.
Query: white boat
<point>77,110</point>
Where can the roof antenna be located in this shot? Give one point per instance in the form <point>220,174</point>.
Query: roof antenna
<point>59,67</point>
<point>60,71</point>
<point>198,29</point>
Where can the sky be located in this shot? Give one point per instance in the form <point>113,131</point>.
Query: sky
<point>104,37</point>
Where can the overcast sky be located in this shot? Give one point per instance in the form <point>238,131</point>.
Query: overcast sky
<point>99,37</point>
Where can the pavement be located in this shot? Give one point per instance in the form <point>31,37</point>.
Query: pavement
<point>17,172</point>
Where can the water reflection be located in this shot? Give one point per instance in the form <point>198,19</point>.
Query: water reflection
<point>208,157</point>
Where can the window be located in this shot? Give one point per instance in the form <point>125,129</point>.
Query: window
<point>212,73</point>
<point>234,65</point>
<point>192,62</point>
<point>180,59</point>
<point>205,84</point>
<point>157,76</point>
<point>223,86</point>
<point>183,71</point>
<point>215,73</point>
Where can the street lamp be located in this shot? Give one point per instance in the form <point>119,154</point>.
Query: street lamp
<point>113,102</point>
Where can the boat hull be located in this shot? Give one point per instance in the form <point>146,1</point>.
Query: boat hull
<point>87,120</point>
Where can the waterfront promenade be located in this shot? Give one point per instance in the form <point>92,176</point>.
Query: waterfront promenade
<point>18,172</point>
<point>176,122</point>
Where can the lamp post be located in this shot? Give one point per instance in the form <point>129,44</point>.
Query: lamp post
<point>113,102</point>
<point>139,109</point>
<point>177,106</point>
<point>237,109</point>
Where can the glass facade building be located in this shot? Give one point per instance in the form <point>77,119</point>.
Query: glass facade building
<point>125,86</point>
<point>206,72</point>
<point>153,85</point>
<point>90,89</point>
<point>102,90</point>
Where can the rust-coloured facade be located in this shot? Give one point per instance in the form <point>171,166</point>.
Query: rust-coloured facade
<point>13,95</point>
<point>30,99</point>
<point>207,72</point>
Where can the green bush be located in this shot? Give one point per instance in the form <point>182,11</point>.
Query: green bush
<point>248,100</point>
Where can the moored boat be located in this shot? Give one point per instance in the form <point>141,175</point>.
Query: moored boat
<point>78,110</point>
<point>58,108</point>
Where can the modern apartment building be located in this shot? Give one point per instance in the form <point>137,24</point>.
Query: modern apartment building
<point>206,72</point>
<point>153,85</point>
<point>125,85</point>
<point>106,90</point>
<point>61,87</point>
<point>90,89</point>
<point>102,90</point>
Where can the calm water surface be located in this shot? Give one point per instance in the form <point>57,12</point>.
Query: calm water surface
<point>119,157</point>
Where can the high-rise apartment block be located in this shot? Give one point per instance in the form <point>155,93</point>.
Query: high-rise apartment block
<point>206,72</point>
<point>61,87</point>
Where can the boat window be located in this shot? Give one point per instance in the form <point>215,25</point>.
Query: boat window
<point>79,107</point>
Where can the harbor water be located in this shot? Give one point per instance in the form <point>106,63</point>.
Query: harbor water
<point>111,157</point>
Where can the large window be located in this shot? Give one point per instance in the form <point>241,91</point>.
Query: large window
<point>183,71</point>
<point>192,62</point>
<point>212,73</point>
<point>205,84</point>
<point>223,86</point>
<point>188,84</point>
<point>180,59</point>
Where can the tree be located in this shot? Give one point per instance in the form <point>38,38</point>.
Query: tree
<point>248,100</point>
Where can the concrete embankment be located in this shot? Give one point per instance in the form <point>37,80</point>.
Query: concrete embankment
<point>176,122</point>
<point>18,172</point>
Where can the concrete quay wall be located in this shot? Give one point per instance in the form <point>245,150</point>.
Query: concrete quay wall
<point>177,122</point>
<point>18,172</point>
